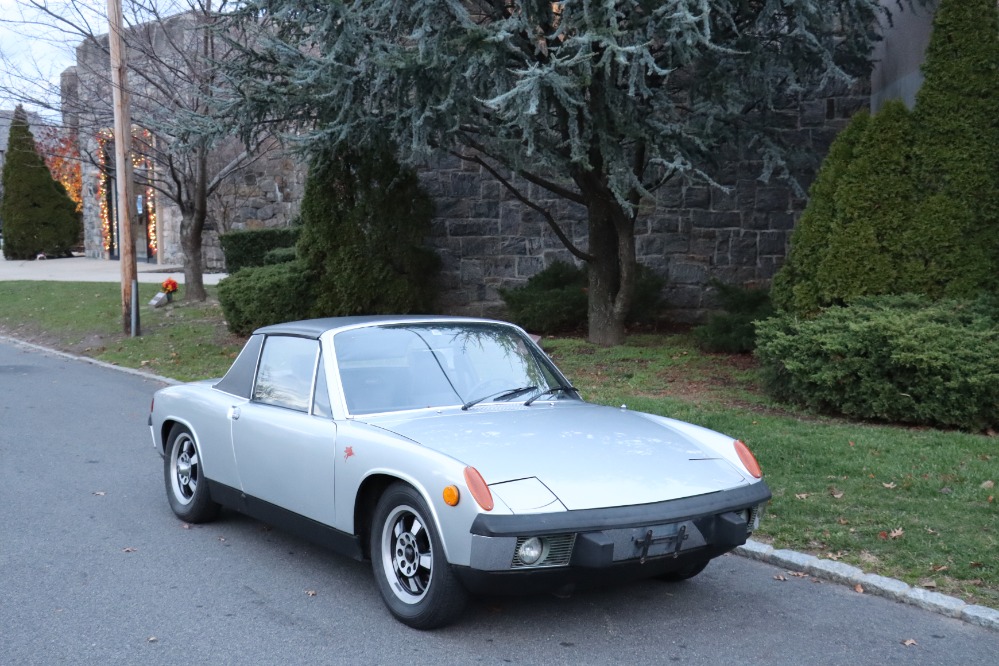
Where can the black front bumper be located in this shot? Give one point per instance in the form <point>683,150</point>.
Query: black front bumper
<point>612,544</point>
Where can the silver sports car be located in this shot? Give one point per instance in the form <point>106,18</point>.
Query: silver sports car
<point>453,454</point>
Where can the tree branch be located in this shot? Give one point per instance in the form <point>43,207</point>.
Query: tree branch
<point>556,229</point>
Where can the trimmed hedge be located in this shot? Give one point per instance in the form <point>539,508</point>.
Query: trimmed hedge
<point>555,300</point>
<point>890,358</point>
<point>263,295</point>
<point>246,248</point>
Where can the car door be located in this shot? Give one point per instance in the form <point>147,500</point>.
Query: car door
<point>284,438</point>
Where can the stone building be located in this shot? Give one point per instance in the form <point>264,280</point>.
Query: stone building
<point>487,239</point>
<point>264,192</point>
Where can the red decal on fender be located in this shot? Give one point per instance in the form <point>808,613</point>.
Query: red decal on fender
<point>348,452</point>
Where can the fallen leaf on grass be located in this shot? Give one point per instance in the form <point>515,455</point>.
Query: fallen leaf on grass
<point>837,556</point>
<point>939,567</point>
<point>858,588</point>
<point>928,583</point>
<point>889,485</point>
<point>896,533</point>
<point>842,521</point>
<point>837,494</point>
<point>909,642</point>
<point>801,496</point>
<point>989,484</point>
<point>946,491</point>
<point>975,565</point>
<point>883,535</point>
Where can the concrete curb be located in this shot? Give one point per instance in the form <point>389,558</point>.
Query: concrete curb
<point>890,588</point>
<point>87,359</point>
<point>830,570</point>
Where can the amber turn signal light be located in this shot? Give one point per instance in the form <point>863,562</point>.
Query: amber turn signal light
<point>451,495</point>
<point>748,459</point>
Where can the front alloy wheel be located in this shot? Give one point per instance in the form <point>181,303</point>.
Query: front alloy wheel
<point>410,569</point>
<point>186,487</point>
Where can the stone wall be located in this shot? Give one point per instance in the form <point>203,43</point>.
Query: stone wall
<point>488,240</point>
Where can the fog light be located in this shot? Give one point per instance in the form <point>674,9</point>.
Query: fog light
<point>531,551</point>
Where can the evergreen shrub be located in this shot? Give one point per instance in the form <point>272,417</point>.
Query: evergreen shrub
<point>249,247</point>
<point>956,145</point>
<point>264,295</point>
<point>796,287</point>
<point>38,215</point>
<point>873,246</point>
<point>890,358</point>
<point>555,299</point>
<point>734,331</point>
<point>364,222</point>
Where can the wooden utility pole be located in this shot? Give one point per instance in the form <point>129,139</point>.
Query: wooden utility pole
<point>123,168</point>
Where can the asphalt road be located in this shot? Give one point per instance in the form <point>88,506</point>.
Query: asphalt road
<point>95,569</point>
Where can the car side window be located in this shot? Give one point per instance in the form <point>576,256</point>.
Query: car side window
<point>321,401</point>
<point>285,373</point>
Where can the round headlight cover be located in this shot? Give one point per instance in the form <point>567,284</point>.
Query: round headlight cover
<point>531,551</point>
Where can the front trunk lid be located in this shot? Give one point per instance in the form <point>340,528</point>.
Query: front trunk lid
<point>589,456</point>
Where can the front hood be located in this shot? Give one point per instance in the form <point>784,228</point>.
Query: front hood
<point>589,456</point>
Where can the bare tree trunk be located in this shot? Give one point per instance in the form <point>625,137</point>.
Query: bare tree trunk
<point>612,269</point>
<point>192,227</point>
<point>190,243</point>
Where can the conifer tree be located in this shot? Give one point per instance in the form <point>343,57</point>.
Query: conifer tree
<point>868,251</point>
<point>957,146</point>
<point>38,216</point>
<point>364,219</point>
<point>796,287</point>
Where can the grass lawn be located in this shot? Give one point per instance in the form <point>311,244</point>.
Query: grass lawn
<point>183,341</point>
<point>911,503</point>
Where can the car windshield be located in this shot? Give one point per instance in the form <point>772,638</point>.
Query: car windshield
<point>412,366</point>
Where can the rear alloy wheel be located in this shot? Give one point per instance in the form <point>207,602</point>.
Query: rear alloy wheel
<point>186,487</point>
<point>412,574</point>
<point>689,571</point>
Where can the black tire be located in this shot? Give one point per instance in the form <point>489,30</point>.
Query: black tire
<point>684,573</point>
<point>412,574</point>
<point>186,486</point>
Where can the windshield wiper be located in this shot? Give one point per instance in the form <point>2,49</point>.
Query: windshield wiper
<point>555,389</point>
<point>508,393</point>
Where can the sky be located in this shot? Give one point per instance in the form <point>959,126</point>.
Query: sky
<point>33,51</point>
